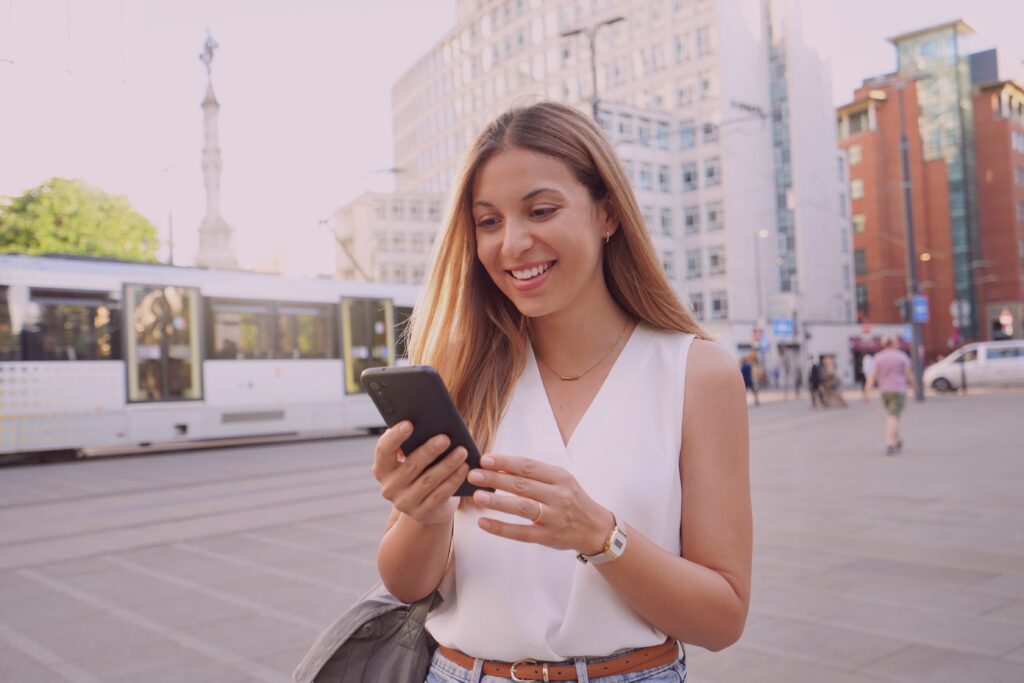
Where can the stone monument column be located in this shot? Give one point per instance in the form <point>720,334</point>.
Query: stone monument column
<point>215,235</point>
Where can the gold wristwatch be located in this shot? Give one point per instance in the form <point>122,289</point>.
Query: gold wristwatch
<point>613,547</point>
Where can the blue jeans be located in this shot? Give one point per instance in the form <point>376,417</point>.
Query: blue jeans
<point>443,670</point>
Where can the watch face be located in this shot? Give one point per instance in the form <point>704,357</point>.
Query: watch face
<point>618,544</point>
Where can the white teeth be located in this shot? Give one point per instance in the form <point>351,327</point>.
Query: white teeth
<point>530,273</point>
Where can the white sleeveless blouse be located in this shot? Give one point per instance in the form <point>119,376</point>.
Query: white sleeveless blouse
<point>507,600</point>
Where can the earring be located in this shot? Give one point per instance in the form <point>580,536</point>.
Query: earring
<point>607,236</point>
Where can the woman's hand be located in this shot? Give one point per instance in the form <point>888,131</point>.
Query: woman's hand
<point>421,493</point>
<point>569,518</point>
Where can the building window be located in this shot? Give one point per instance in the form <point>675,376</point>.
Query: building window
<point>662,134</point>
<point>719,305</point>
<point>646,177</point>
<point>1019,176</point>
<point>697,305</point>
<point>860,262</point>
<point>643,130</point>
<point>693,264</point>
<point>397,210</point>
<point>684,95</point>
<point>716,216</point>
<point>401,272</point>
<point>625,127</point>
<point>856,188</point>
<point>712,172</point>
<point>418,241</point>
<point>858,122</point>
<point>703,41</point>
<point>705,88</point>
<point>691,220</point>
<point>1017,142</point>
<point>710,132</point>
<point>689,177</point>
<point>418,274</point>
<point>415,211</point>
<point>664,178</point>
<point>854,154</point>
<point>716,260</point>
<point>398,241</point>
<point>680,46</point>
<point>666,221</point>
<point>859,222</point>
<point>862,299</point>
<point>382,209</point>
<point>687,135</point>
<point>668,264</point>
<point>648,213</point>
<point>382,240</point>
<point>1020,211</point>
<point>434,211</point>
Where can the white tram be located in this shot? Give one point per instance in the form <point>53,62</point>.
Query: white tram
<point>98,353</point>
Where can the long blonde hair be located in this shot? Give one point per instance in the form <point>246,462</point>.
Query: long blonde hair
<point>467,329</point>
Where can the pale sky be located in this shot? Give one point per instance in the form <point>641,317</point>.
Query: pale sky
<point>109,91</point>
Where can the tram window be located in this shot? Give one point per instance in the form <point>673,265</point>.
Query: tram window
<point>163,343</point>
<point>369,339</point>
<point>71,325</point>
<point>402,315</point>
<point>305,331</point>
<point>239,329</point>
<point>10,344</point>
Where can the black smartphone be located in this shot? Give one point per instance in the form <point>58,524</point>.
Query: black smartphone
<point>418,394</point>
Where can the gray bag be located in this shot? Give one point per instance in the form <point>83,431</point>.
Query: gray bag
<point>379,638</point>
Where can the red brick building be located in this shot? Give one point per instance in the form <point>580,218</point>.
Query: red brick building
<point>999,150</point>
<point>869,132</point>
<point>965,135</point>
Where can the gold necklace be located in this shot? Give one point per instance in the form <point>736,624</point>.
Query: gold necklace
<point>573,378</point>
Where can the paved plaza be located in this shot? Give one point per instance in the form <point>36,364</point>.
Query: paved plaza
<point>223,565</point>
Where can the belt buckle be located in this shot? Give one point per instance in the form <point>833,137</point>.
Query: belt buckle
<point>512,670</point>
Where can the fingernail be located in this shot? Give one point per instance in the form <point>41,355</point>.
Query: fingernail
<point>476,476</point>
<point>460,453</point>
<point>440,441</point>
<point>482,497</point>
<point>405,427</point>
<point>487,461</point>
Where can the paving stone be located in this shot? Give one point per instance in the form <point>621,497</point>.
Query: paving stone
<point>827,645</point>
<point>17,666</point>
<point>934,665</point>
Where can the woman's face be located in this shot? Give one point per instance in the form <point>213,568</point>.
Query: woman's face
<point>538,233</point>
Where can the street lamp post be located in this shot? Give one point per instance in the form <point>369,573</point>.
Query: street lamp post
<point>591,33</point>
<point>758,236</point>
<point>908,230</point>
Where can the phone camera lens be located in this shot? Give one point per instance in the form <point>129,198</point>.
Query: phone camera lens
<point>374,386</point>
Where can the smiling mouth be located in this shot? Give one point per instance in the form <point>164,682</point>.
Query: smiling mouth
<point>530,273</point>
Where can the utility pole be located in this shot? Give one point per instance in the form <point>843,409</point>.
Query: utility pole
<point>591,33</point>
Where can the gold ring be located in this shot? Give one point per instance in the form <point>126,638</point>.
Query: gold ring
<point>540,512</point>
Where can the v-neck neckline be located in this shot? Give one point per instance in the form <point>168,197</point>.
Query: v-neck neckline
<point>585,419</point>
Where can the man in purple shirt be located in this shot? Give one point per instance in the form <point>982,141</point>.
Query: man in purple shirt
<point>892,373</point>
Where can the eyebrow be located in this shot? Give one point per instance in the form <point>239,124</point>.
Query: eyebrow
<point>526,197</point>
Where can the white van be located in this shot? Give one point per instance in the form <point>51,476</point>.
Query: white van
<point>982,364</point>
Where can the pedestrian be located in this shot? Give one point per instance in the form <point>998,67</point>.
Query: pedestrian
<point>831,385</point>
<point>749,381</point>
<point>865,369</point>
<point>569,354</point>
<point>892,373</point>
<point>814,384</point>
<point>798,380</point>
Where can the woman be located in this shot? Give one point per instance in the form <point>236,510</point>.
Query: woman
<point>621,523</point>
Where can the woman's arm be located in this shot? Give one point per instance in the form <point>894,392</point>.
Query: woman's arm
<point>702,597</point>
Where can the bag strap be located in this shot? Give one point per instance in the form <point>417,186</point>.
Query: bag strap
<point>414,627</point>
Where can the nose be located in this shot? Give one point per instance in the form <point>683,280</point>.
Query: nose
<point>517,240</point>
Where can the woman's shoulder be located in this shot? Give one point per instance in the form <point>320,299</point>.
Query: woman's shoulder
<point>709,362</point>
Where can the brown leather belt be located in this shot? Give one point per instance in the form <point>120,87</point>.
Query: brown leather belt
<point>530,670</point>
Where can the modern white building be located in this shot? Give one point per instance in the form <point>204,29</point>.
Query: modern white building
<point>721,115</point>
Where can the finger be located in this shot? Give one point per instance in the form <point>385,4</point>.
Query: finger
<point>447,488</point>
<point>521,486</point>
<point>388,445</point>
<point>421,458</point>
<point>434,477</point>
<point>514,505</point>
<point>526,533</point>
<point>526,467</point>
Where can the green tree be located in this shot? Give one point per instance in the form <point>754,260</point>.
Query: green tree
<point>64,216</point>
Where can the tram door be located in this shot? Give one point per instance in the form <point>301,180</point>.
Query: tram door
<point>163,343</point>
<point>368,338</point>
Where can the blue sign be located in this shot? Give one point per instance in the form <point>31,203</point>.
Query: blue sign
<point>782,327</point>
<point>908,333</point>
<point>920,308</point>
